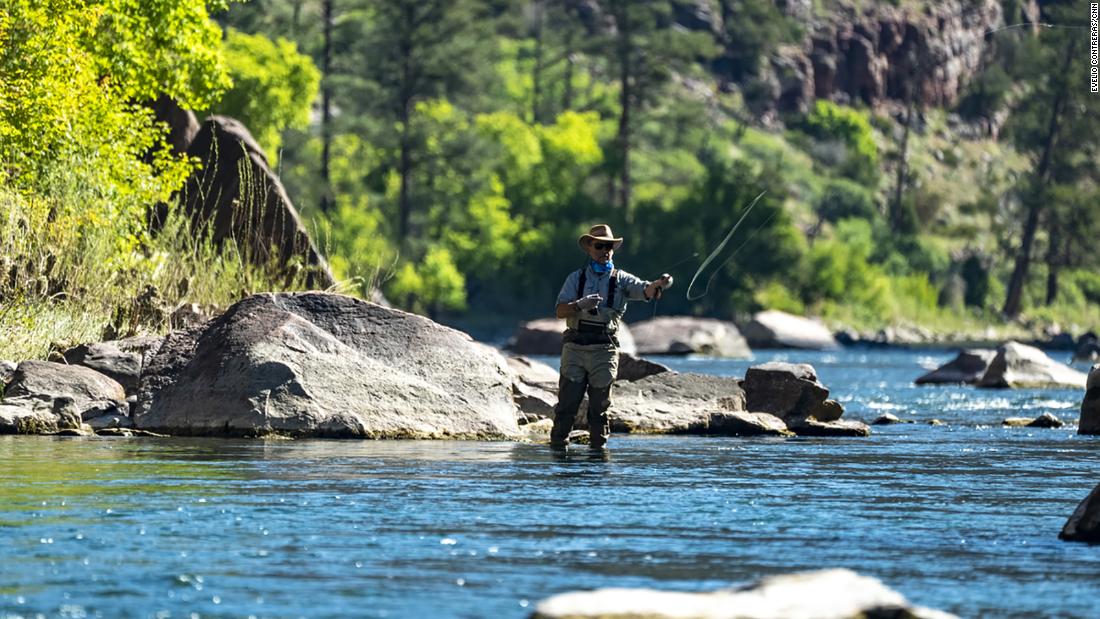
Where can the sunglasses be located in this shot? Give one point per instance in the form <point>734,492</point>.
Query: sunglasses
<point>602,245</point>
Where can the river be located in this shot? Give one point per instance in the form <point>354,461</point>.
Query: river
<point>963,516</point>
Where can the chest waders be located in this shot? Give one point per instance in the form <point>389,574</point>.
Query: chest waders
<point>593,367</point>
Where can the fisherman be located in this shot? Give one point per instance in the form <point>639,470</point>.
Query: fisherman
<point>592,301</point>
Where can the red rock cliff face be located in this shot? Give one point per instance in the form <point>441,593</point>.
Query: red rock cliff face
<point>867,52</point>
<point>883,53</point>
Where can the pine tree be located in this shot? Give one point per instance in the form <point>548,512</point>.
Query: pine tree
<point>1055,124</point>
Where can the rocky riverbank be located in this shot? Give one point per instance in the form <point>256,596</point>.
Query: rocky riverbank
<point>328,365</point>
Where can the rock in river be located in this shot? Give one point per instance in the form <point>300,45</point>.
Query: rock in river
<point>1090,405</point>
<point>681,335</point>
<point>824,594</point>
<point>319,364</point>
<point>1046,420</point>
<point>1084,524</point>
<point>1019,366</point>
<point>792,392</point>
<point>776,329</point>
<point>967,368</point>
<point>49,385</point>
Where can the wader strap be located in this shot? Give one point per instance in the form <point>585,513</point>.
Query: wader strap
<point>610,286</point>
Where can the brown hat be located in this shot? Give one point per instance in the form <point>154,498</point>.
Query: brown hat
<point>600,232</point>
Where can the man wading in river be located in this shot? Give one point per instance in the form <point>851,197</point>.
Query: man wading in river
<point>592,301</point>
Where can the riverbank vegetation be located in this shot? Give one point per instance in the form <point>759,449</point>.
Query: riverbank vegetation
<point>452,151</point>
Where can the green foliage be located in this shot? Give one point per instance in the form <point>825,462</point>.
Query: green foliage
<point>845,140</point>
<point>81,162</point>
<point>155,47</point>
<point>273,87</point>
<point>431,285</point>
<point>844,199</point>
<point>754,29</point>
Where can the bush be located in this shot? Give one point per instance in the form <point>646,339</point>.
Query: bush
<point>844,199</point>
<point>849,129</point>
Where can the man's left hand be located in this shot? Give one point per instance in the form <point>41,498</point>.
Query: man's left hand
<point>658,286</point>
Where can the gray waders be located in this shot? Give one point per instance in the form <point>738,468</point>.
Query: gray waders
<point>585,368</point>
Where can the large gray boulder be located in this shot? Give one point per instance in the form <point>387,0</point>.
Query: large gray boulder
<point>1019,366</point>
<point>681,335</point>
<point>319,364</point>
<point>46,385</point>
<point>1090,405</point>
<point>543,337</point>
<point>776,329</point>
<point>121,360</point>
<point>824,594</point>
<point>534,389</point>
<point>1084,524</point>
<point>967,368</point>
<point>45,397</point>
<point>235,195</point>
<point>671,403</point>
<point>792,392</point>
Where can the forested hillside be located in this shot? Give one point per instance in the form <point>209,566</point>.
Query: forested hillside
<point>922,163</point>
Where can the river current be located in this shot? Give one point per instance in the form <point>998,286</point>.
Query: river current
<point>963,516</point>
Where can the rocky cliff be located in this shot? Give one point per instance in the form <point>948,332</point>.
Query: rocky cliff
<point>870,53</point>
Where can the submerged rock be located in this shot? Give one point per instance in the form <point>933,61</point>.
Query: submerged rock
<point>776,329</point>
<point>1090,404</point>
<point>1046,420</point>
<point>967,368</point>
<point>681,335</point>
<point>823,594</point>
<point>320,364</point>
<point>1084,524</point>
<point>1020,366</point>
<point>887,419</point>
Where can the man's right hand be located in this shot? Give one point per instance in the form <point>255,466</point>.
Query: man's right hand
<point>589,302</point>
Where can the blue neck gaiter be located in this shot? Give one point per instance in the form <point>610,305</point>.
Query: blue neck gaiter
<point>601,268</point>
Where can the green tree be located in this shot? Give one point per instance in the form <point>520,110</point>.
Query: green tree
<point>414,51</point>
<point>273,87</point>
<point>644,50</point>
<point>1054,123</point>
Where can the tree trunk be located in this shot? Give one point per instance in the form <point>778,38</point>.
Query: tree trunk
<point>626,100</point>
<point>902,180</point>
<point>1014,295</point>
<point>326,106</point>
<point>1053,259</point>
<point>536,78</point>
<point>567,90</point>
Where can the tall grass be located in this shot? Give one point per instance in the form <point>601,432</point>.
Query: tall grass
<point>79,265</point>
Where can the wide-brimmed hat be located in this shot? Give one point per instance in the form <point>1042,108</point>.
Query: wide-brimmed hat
<point>600,232</point>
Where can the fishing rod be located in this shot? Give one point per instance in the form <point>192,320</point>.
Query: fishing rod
<point>660,291</point>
